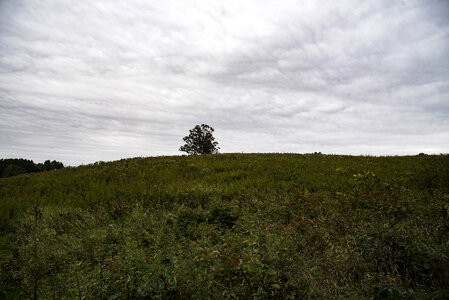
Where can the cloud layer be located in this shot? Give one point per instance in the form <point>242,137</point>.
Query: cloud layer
<point>82,81</point>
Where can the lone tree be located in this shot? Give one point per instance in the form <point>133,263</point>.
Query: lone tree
<point>200,141</point>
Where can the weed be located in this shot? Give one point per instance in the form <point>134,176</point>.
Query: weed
<point>261,226</point>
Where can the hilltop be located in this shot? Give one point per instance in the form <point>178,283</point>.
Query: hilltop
<point>229,225</point>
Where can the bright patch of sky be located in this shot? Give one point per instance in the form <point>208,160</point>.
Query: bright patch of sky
<point>82,81</point>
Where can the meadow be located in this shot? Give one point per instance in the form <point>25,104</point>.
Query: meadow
<point>249,226</point>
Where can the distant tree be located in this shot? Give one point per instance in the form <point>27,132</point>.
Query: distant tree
<point>57,165</point>
<point>47,165</point>
<point>200,141</point>
<point>40,167</point>
<point>25,164</point>
<point>52,165</point>
<point>16,166</point>
<point>13,170</point>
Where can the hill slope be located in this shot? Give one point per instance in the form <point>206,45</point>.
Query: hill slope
<point>229,225</point>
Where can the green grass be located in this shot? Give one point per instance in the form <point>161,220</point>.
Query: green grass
<point>229,226</point>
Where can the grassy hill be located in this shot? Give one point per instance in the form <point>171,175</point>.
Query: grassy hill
<point>229,225</point>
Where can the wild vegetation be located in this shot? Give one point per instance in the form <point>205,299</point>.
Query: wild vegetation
<point>229,226</point>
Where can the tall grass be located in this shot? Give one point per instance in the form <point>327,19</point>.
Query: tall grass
<point>229,225</point>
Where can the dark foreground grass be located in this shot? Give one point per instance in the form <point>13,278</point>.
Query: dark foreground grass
<point>229,226</point>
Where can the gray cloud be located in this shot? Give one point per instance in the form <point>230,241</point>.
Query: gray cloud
<point>82,81</point>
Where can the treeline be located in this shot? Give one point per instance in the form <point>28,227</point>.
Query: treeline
<point>16,166</point>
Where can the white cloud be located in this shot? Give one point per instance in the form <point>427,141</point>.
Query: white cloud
<point>82,81</point>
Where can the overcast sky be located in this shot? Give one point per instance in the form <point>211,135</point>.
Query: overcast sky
<point>82,81</point>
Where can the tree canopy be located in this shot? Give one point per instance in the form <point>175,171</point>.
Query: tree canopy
<point>16,166</point>
<point>200,141</point>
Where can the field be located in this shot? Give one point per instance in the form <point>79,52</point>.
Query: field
<point>229,226</point>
